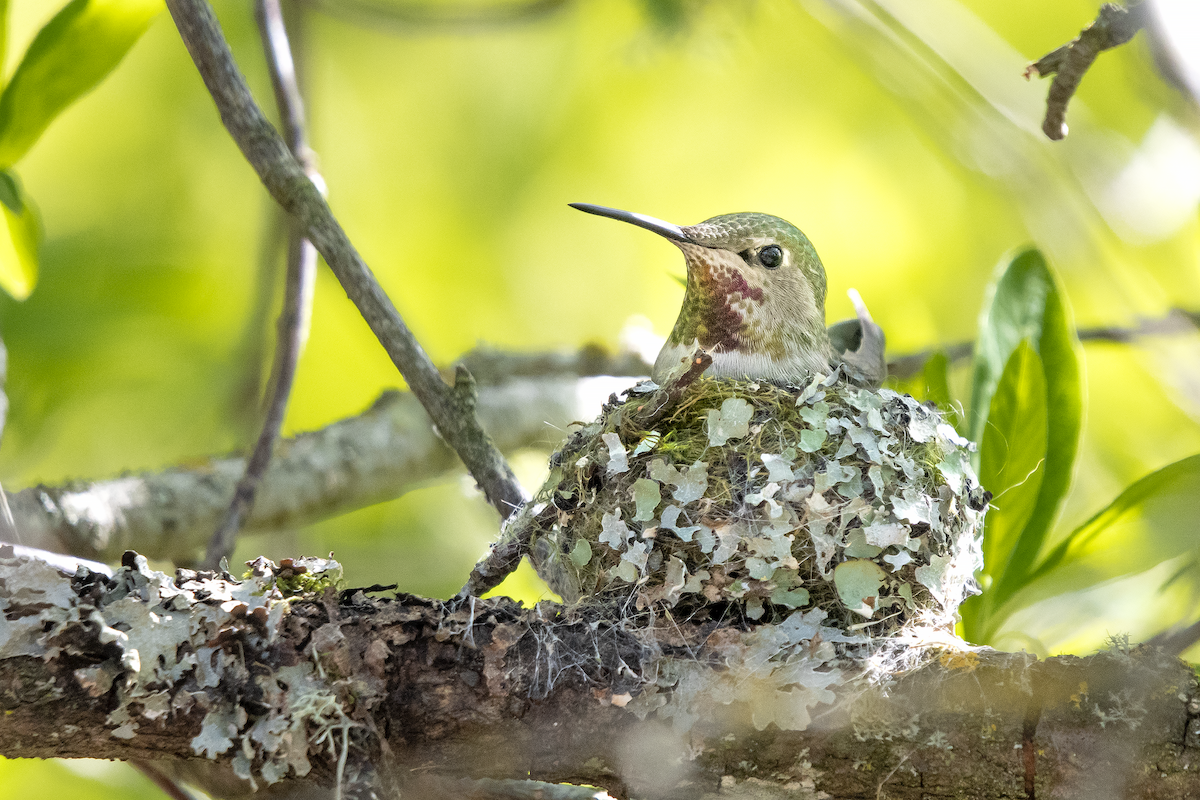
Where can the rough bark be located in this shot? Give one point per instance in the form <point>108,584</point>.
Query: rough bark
<point>208,680</point>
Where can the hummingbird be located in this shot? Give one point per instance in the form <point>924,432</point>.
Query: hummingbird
<point>755,301</point>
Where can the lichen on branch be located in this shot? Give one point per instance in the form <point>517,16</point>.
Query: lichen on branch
<point>224,681</point>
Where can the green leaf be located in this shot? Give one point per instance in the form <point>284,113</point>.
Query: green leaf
<point>68,57</point>
<point>20,238</point>
<point>1152,521</point>
<point>1025,328</point>
<point>1026,305</point>
<point>1013,457</point>
<point>1014,310</point>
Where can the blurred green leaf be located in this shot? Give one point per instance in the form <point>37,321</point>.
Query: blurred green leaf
<point>69,56</point>
<point>1152,521</point>
<point>19,238</point>
<point>1013,456</point>
<point>936,375</point>
<point>667,15</point>
<point>1026,305</point>
<point>1022,303</point>
<point>4,5</point>
<point>1027,346</point>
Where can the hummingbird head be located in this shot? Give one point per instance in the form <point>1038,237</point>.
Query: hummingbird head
<point>755,297</point>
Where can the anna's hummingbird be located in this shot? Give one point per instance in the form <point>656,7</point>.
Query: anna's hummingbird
<point>755,301</point>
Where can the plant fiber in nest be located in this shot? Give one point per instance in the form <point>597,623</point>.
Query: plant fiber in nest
<point>859,502</point>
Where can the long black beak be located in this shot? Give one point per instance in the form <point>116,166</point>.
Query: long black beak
<point>673,232</point>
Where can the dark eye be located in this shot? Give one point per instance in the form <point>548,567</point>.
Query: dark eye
<point>771,256</point>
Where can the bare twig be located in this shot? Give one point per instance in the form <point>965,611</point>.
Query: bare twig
<point>503,557</point>
<point>296,313</point>
<point>1114,25</point>
<point>664,400</point>
<point>405,16</point>
<point>909,366</point>
<point>513,543</point>
<point>281,64</point>
<point>7,527</point>
<point>1176,640</point>
<point>452,409</point>
<point>493,367</point>
<point>170,787</point>
<point>293,331</point>
<point>255,345</point>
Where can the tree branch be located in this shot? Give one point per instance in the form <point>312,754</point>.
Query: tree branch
<point>1114,25</point>
<point>524,398</point>
<point>376,456</point>
<point>282,681</point>
<point>450,409</point>
<point>301,272</point>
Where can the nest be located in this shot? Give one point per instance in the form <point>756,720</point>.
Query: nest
<point>859,502</point>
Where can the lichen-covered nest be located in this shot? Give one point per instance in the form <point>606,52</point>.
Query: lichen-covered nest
<point>859,502</point>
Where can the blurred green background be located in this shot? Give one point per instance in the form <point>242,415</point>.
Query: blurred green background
<point>900,137</point>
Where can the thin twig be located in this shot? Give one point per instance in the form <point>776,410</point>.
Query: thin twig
<point>294,317</point>
<point>513,543</point>
<point>452,409</point>
<point>8,528</point>
<point>255,346</point>
<point>492,367</point>
<point>1178,639</point>
<point>170,787</point>
<point>643,415</point>
<point>285,83</point>
<point>1114,25</point>
<point>909,366</point>
<point>1175,321</point>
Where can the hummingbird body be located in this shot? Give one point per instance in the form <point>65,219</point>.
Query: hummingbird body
<point>755,298</point>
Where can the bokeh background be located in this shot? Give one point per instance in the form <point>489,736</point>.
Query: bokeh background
<point>899,136</point>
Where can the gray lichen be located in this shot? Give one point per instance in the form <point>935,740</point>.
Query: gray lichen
<point>837,527</point>
<point>858,502</point>
<point>167,644</point>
